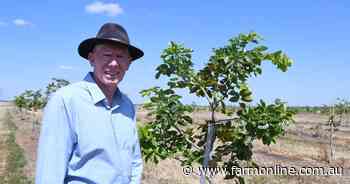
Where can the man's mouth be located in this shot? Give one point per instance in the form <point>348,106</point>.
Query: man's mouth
<point>111,75</point>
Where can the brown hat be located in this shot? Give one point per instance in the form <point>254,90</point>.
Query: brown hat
<point>109,33</point>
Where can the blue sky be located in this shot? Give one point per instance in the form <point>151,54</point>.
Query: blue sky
<point>40,40</point>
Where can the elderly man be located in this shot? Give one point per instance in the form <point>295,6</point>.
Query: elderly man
<point>88,133</point>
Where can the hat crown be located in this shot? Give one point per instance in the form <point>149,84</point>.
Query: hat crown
<point>113,31</point>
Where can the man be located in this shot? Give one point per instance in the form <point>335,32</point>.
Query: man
<point>88,133</point>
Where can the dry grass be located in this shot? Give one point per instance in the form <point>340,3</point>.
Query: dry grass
<point>3,133</point>
<point>166,171</point>
<point>27,138</point>
<point>12,158</point>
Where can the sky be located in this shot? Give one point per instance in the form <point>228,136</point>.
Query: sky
<point>40,40</point>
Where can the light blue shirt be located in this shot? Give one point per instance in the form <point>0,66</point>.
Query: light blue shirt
<point>84,140</point>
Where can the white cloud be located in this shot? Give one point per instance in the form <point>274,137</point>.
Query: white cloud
<point>64,67</point>
<point>21,22</point>
<point>111,9</point>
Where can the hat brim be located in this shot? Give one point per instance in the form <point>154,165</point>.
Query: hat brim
<point>86,46</point>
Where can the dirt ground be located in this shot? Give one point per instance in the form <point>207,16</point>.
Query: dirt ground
<point>303,145</point>
<point>3,132</point>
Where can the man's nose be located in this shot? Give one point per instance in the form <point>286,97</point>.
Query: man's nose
<point>114,62</point>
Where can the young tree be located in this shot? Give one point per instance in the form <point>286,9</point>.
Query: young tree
<point>223,80</point>
<point>54,86</point>
<point>28,98</point>
<point>342,109</point>
<point>20,103</point>
<point>32,101</point>
<point>37,100</point>
<point>337,115</point>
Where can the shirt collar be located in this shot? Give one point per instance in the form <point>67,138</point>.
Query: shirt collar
<point>97,94</point>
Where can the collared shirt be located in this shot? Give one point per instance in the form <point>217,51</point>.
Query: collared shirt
<point>84,140</point>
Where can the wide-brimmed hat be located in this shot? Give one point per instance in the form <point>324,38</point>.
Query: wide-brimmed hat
<point>109,33</point>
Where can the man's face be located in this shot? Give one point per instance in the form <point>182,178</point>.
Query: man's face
<point>110,63</point>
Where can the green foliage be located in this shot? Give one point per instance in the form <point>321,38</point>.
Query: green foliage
<point>337,112</point>
<point>20,102</point>
<point>266,122</point>
<point>222,80</point>
<point>169,133</point>
<point>55,85</point>
<point>30,100</point>
<point>342,106</point>
<point>34,100</point>
<point>263,122</point>
<point>324,109</point>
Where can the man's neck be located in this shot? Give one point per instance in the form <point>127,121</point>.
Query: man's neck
<point>108,91</point>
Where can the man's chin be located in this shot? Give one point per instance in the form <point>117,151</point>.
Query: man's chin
<point>111,82</point>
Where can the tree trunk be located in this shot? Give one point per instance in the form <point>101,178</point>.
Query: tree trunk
<point>208,147</point>
<point>331,136</point>
<point>332,156</point>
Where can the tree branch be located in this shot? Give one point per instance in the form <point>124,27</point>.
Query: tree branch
<point>189,141</point>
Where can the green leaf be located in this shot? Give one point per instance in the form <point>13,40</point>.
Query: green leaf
<point>247,98</point>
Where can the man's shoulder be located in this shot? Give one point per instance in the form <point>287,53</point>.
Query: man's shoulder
<point>73,90</point>
<point>128,104</point>
<point>126,98</point>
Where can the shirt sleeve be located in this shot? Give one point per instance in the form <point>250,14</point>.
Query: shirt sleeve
<point>55,143</point>
<point>137,166</point>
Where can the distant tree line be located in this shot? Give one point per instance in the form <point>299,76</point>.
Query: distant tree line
<point>342,106</point>
<point>33,100</point>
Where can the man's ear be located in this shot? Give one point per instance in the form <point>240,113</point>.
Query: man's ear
<point>130,62</point>
<point>91,59</point>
